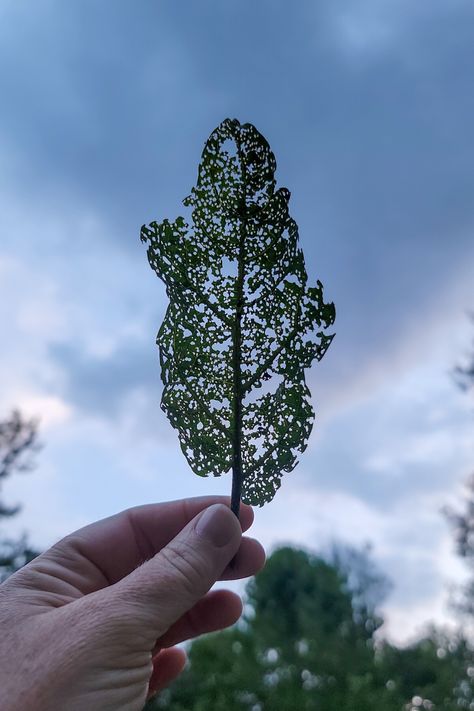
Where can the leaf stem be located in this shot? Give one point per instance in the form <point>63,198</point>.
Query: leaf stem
<point>237,470</point>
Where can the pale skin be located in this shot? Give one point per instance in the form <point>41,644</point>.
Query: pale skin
<point>92,624</point>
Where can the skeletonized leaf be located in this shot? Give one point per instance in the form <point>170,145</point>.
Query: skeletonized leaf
<point>242,325</point>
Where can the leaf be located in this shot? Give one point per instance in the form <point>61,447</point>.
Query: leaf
<point>240,327</point>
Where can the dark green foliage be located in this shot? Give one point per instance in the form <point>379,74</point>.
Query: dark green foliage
<point>224,675</point>
<point>309,643</point>
<point>303,646</point>
<point>465,373</point>
<point>242,323</point>
<point>437,672</point>
<point>14,555</point>
<point>315,596</point>
<point>463,521</point>
<point>310,633</point>
<point>463,524</point>
<point>18,444</point>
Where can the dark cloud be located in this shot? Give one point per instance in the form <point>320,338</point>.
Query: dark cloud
<point>109,105</point>
<point>106,106</point>
<point>100,385</point>
<point>116,101</point>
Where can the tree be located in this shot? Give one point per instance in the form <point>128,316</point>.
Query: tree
<point>309,641</point>
<point>18,445</point>
<point>434,673</point>
<point>463,521</point>
<point>463,525</point>
<point>464,373</point>
<point>318,631</point>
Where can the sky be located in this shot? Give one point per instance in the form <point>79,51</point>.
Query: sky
<point>369,107</point>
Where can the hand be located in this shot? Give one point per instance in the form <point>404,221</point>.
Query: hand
<point>91,624</point>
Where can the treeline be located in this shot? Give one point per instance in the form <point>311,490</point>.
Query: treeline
<point>309,642</point>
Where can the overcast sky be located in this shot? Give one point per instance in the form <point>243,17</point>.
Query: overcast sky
<point>369,108</point>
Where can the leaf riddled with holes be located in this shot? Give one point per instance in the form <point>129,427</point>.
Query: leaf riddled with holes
<point>242,324</point>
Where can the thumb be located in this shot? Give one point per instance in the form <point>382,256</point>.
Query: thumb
<point>168,585</point>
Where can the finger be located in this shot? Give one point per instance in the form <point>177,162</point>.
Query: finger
<point>249,559</point>
<point>215,611</point>
<point>106,551</point>
<point>163,589</point>
<point>167,665</point>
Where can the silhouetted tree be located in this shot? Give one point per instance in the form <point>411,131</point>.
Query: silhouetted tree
<point>464,373</point>
<point>309,642</point>
<point>18,445</point>
<point>463,520</point>
<point>463,524</point>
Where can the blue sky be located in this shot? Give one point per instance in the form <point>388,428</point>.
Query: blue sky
<point>369,108</point>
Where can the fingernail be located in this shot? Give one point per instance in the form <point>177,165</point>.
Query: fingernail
<point>217,525</point>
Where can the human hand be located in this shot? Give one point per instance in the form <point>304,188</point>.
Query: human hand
<point>91,624</point>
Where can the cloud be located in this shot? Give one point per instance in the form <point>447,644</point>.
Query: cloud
<point>378,155</point>
<point>404,439</point>
<point>411,545</point>
<point>99,384</point>
<point>53,411</point>
<point>369,109</point>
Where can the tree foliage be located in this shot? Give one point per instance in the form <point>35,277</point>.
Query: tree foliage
<point>463,525</point>
<point>465,373</point>
<point>18,445</point>
<point>309,642</point>
<point>463,520</point>
<point>242,323</point>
